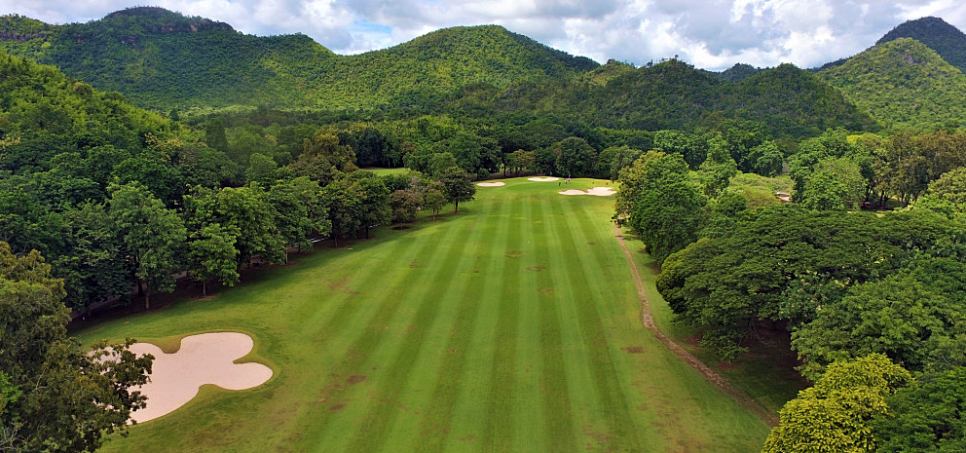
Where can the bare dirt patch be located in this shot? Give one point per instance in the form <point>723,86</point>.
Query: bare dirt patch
<point>536,268</point>
<point>514,254</point>
<point>633,349</point>
<point>337,407</point>
<point>356,379</point>
<point>546,291</point>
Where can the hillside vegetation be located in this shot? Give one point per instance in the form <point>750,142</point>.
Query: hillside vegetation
<point>935,33</point>
<point>161,59</point>
<point>902,83</point>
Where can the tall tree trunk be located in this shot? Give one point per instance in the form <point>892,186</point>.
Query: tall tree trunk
<point>147,299</point>
<point>204,288</point>
<point>456,204</point>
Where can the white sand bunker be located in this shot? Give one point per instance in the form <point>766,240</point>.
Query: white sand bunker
<point>490,184</point>
<point>543,179</point>
<point>203,359</point>
<point>598,191</point>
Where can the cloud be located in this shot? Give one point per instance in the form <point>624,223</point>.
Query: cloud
<point>712,34</point>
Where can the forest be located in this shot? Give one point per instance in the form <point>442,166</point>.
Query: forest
<point>108,197</point>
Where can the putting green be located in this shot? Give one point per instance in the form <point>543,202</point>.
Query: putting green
<point>512,326</point>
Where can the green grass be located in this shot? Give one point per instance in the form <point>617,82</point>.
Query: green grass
<point>513,326</point>
<point>387,171</point>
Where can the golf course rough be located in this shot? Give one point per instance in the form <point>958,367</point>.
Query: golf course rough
<point>512,326</point>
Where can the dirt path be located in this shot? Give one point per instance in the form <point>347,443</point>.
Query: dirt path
<point>648,320</point>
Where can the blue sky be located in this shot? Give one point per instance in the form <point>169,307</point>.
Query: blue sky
<point>711,34</point>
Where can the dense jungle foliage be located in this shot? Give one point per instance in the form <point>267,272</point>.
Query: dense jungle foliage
<point>751,187</point>
<point>935,33</point>
<point>903,84</point>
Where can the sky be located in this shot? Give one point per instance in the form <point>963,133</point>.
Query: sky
<point>710,34</point>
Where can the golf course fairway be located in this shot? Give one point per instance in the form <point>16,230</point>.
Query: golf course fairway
<point>512,326</point>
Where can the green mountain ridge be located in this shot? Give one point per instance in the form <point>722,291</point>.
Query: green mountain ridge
<point>902,83</point>
<point>948,41</point>
<point>786,101</point>
<point>163,60</point>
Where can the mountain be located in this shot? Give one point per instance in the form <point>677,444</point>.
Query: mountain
<point>935,33</point>
<point>796,102</point>
<point>736,73</point>
<point>162,59</point>
<point>786,101</point>
<point>902,83</point>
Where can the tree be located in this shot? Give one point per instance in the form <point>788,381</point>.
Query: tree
<point>440,162</point>
<point>56,396</point>
<point>94,269</point>
<point>951,186</point>
<point>245,209</point>
<point>405,205</point>
<point>344,199</point>
<point>324,159</point>
<point>153,236</point>
<point>212,256</point>
<point>717,170</point>
<point>260,168</point>
<point>836,414</point>
<point>645,174</point>
<point>375,200</point>
<point>766,159</point>
<point>434,198</point>
<point>457,187</point>
<point>929,417</point>
<point>575,157</point>
<point>918,325</point>
<point>669,217</point>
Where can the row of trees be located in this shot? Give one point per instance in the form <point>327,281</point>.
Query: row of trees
<point>875,305</point>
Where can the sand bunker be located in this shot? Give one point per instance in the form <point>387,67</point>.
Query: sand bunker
<point>490,184</point>
<point>203,359</point>
<point>598,191</point>
<point>543,179</point>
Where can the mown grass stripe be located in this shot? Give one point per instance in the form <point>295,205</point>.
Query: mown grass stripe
<point>372,432</point>
<point>599,396</point>
<point>533,432</point>
<point>612,398</point>
<point>436,425</point>
<point>372,335</point>
<point>498,430</point>
<point>558,412</point>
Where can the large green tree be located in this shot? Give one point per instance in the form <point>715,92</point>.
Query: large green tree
<point>836,414</point>
<point>457,187</point>
<point>56,396</point>
<point>153,236</point>
<point>928,417</point>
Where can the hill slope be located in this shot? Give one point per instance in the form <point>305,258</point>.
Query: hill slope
<point>902,83</point>
<point>43,113</point>
<point>786,100</point>
<point>796,101</point>
<point>935,33</point>
<point>162,59</point>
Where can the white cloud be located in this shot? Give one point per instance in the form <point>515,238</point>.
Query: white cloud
<point>714,34</point>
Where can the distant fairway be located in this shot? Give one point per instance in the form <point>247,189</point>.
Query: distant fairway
<point>513,326</point>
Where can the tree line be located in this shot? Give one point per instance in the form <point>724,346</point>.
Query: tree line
<point>874,301</point>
